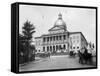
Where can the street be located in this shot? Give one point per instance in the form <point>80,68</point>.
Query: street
<point>54,62</point>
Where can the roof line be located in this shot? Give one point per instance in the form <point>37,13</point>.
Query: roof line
<point>81,34</point>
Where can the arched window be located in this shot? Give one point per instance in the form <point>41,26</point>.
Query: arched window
<point>73,47</point>
<point>64,46</point>
<point>53,48</point>
<point>50,48</point>
<point>56,47</point>
<point>43,48</point>
<point>77,47</point>
<point>60,47</point>
<point>47,48</point>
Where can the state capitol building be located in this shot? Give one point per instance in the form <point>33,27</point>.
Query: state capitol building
<point>59,39</point>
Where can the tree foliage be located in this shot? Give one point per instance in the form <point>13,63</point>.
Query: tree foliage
<point>25,41</point>
<point>28,30</point>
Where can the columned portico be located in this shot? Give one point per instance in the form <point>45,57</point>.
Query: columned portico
<point>57,39</point>
<point>56,48</point>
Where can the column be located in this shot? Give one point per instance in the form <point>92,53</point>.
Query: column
<point>67,47</point>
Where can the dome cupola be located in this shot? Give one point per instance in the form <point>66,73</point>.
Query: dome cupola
<point>59,25</point>
<point>59,22</point>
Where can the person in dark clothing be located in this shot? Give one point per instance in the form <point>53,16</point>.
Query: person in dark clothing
<point>87,56</point>
<point>80,57</point>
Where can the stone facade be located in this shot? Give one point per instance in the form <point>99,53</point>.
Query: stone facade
<point>59,39</point>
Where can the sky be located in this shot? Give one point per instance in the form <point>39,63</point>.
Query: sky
<point>43,18</point>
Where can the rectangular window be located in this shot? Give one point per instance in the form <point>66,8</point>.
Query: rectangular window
<point>64,37</point>
<point>73,41</point>
<point>43,48</point>
<point>77,41</point>
<point>50,38</point>
<point>73,37</point>
<point>59,37</point>
<point>47,38</point>
<point>43,39</point>
<point>77,37</point>
<point>56,37</point>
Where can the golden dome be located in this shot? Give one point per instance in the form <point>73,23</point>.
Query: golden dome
<point>60,22</point>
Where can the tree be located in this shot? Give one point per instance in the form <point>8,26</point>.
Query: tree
<point>21,51</point>
<point>28,30</point>
<point>20,43</point>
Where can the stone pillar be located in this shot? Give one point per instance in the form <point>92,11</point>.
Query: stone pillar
<point>67,47</point>
<point>45,48</point>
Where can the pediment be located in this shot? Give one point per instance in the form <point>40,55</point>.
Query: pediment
<point>55,28</point>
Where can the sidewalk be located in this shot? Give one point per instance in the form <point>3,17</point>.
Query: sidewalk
<point>37,59</point>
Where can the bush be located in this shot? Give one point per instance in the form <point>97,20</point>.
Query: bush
<point>32,58</point>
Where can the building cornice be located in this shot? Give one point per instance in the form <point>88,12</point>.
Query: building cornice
<point>80,33</point>
<point>55,34</point>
